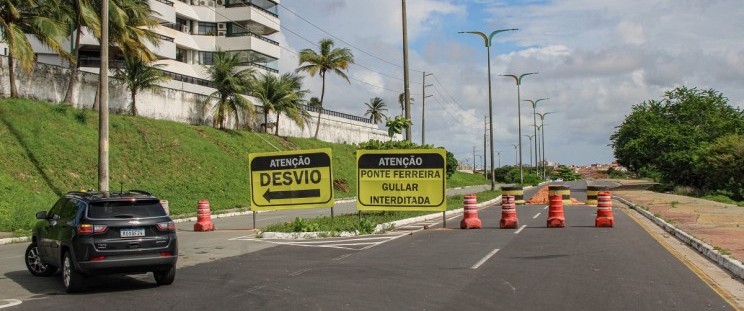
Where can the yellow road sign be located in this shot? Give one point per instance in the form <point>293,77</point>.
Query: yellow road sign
<point>291,179</point>
<point>401,180</point>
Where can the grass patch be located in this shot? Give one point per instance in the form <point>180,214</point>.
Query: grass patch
<point>723,199</point>
<point>367,221</point>
<point>722,251</point>
<point>674,204</point>
<point>48,150</point>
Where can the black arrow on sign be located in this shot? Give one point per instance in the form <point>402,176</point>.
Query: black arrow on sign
<point>292,194</point>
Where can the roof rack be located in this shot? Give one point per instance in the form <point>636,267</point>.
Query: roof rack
<point>140,191</point>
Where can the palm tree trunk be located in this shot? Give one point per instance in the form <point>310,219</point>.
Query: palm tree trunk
<point>237,119</point>
<point>320,109</point>
<point>73,84</point>
<point>266,120</point>
<point>11,72</point>
<point>276,126</point>
<point>134,101</point>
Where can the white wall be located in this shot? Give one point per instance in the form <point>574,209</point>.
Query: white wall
<point>175,103</point>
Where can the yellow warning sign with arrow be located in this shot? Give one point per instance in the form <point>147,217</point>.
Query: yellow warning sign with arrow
<point>291,179</point>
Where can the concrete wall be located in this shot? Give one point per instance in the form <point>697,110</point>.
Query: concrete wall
<point>171,102</point>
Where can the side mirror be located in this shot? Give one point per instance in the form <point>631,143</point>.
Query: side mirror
<point>41,215</point>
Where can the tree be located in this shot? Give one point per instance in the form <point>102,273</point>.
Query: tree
<point>724,166</point>
<point>375,110</point>
<point>231,83</point>
<point>397,125</point>
<point>138,76</point>
<point>326,59</point>
<point>283,95</point>
<point>668,138</point>
<point>41,19</point>
<point>402,102</point>
<point>130,30</point>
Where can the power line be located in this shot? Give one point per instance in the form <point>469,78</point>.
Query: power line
<point>342,40</point>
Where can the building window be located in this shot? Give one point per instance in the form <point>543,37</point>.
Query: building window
<point>181,55</point>
<point>209,29</point>
<point>181,24</point>
<point>206,58</point>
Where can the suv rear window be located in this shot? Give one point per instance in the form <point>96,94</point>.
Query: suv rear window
<point>126,209</point>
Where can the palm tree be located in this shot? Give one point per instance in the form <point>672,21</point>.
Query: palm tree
<point>231,82</point>
<point>82,14</point>
<point>138,75</point>
<point>40,19</point>
<point>402,102</point>
<point>375,109</point>
<point>130,24</point>
<point>281,94</point>
<point>327,59</point>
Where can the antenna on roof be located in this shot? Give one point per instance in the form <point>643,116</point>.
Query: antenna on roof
<point>121,187</point>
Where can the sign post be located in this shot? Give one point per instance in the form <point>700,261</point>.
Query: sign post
<point>291,180</point>
<point>401,180</point>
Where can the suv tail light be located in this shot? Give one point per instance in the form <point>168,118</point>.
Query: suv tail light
<point>167,226</point>
<point>91,229</point>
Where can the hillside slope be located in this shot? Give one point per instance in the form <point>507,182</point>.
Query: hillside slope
<point>47,150</point>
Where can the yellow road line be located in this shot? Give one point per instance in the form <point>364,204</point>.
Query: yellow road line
<point>725,294</point>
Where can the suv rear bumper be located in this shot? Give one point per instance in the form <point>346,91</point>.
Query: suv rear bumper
<point>112,265</point>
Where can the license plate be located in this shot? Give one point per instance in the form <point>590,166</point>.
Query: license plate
<point>133,232</point>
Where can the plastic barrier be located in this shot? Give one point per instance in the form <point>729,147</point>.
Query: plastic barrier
<point>516,191</point>
<point>591,194</point>
<point>556,217</point>
<point>203,217</point>
<point>509,218</point>
<point>470,218</point>
<point>604,210</point>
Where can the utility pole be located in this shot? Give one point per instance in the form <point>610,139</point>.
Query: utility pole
<point>485,131</point>
<point>473,158</point>
<point>423,109</point>
<point>103,120</point>
<point>405,71</point>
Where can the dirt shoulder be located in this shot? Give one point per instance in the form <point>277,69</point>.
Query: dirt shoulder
<point>717,224</point>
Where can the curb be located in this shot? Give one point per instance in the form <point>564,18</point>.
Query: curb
<point>379,229</point>
<point>22,239</point>
<point>732,265</point>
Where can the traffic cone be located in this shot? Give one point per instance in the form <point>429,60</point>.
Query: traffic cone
<point>556,218</point>
<point>203,217</point>
<point>604,210</point>
<point>470,218</point>
<point>508,213</point>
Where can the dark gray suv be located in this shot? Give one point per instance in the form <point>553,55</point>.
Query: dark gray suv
<point>92,233</point>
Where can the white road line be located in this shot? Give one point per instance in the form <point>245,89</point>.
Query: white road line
<point>4,303</point>
<point>299,272</point>
<point>255,288</point>
<point>484,259</point>
<point>520,229</point>
<point>546,207</point>
<point>538,215</point>
<point>341,257</point>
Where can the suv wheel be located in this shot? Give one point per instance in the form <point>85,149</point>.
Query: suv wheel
<point>34,263</point>
<point>71,278</point>
<point>165,277</point>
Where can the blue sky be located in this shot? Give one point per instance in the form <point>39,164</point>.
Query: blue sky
<point>596,60</point>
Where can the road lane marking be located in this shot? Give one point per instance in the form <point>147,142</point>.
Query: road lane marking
<point>255,288</point>
<point>520,229</point>
<point>11,257</point>
<point>538,214</point>
<point>299,272</point>
<point>341,257</point>
<point>4,303</point>
<point>546,207</point>
<point>484,259</point>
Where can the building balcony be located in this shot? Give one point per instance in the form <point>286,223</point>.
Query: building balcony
<point>166,10</point>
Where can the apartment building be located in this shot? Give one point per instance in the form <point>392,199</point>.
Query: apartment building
<point>192,30</point>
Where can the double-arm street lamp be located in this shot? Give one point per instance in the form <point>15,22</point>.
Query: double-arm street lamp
<point>530,137</point>
<point>534,124</point>
<point>542,127</point>
<point>518,79</point>
<point>516,157</point>
<point>488,40</point>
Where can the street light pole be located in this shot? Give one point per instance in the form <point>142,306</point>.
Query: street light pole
<point>488,39</point>
<point>423,108</point>
<point>534,124</point>
<point>498,152</point>
<point>530,137</point>
<point>103,113</point>
<point>542,127</point>
<point>518,80</point>
<point>406,84</point>
<point>516,158</point>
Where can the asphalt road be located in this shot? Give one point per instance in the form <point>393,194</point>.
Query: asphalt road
<point>578,267</point>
